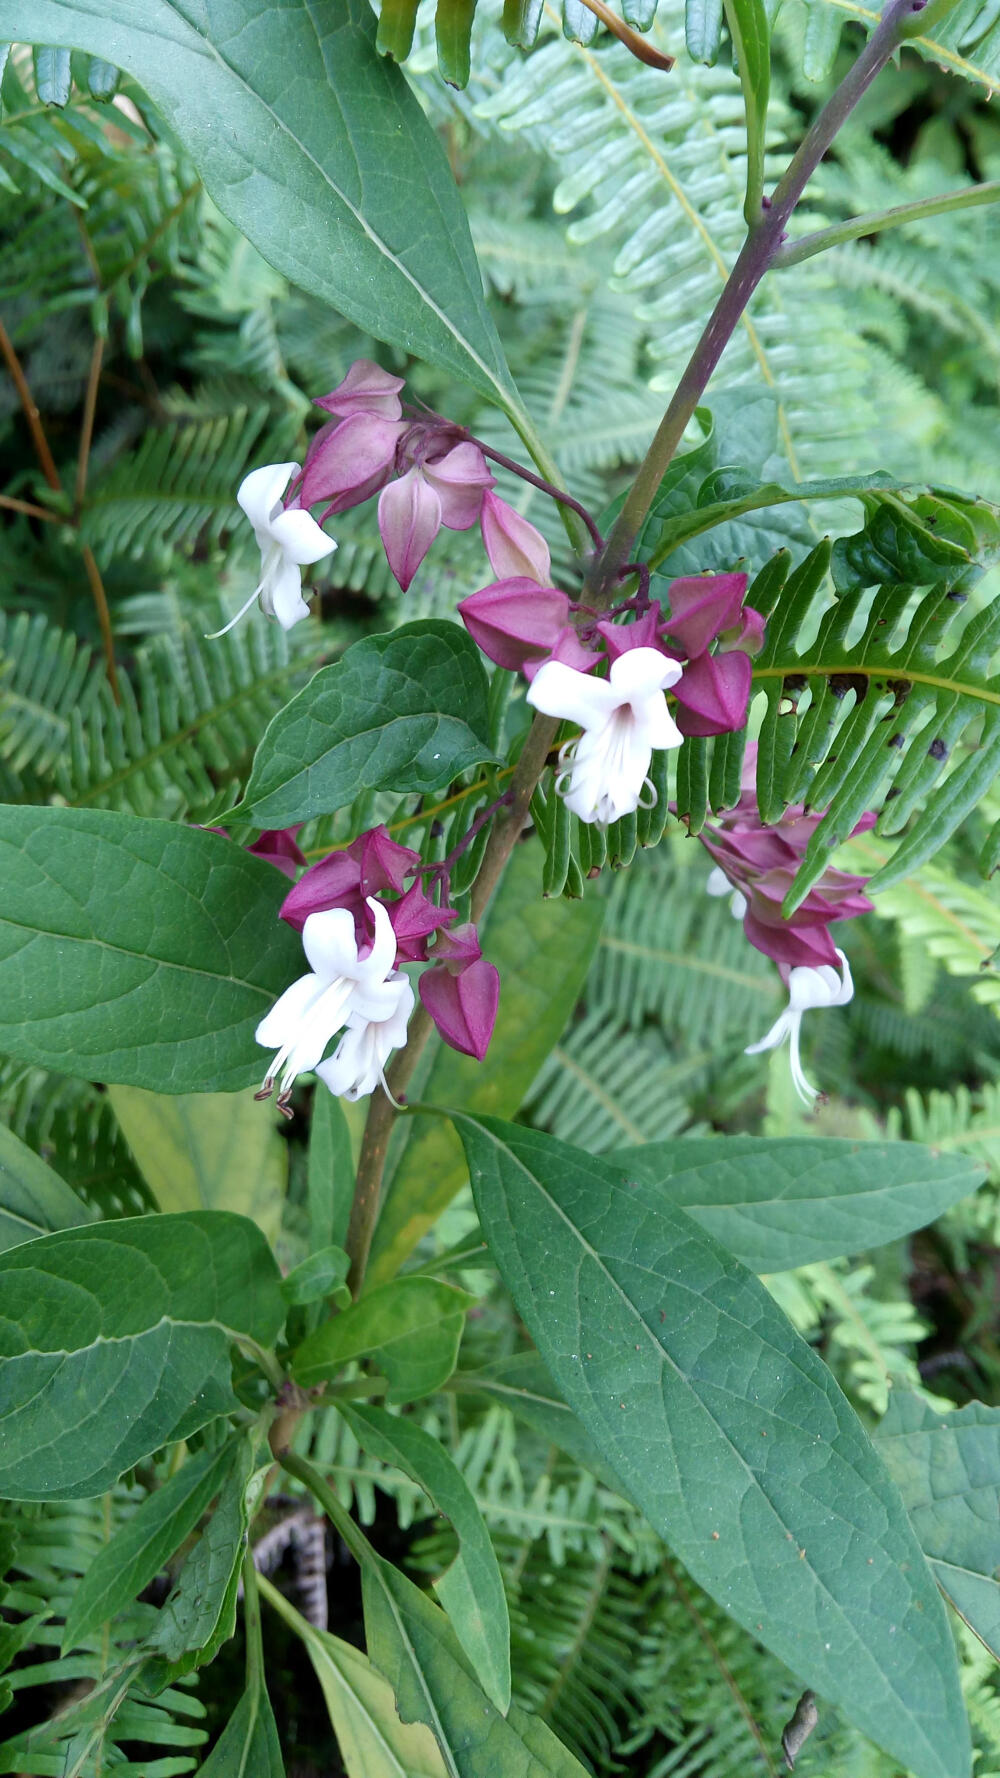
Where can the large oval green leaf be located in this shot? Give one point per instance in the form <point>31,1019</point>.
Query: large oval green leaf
<point>114,1339</point>
<point>400,712</point>
<point>136,951</point>
<point>728,1431</point>
<point>317,150</point>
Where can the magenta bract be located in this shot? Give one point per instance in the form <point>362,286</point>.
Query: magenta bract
<point>414,917</point>
<point>277,845</point>
<point>713,693</point>
<point>366,389</point>
<point>515,621</point>
<point>515,549</point>
<point>348,461</point>
<point>701,607</point>
<point>463,1006</point>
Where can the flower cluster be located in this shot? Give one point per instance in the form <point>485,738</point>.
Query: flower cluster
<point>356,941</point>
<point>756,865</point>
<point>521,623</point>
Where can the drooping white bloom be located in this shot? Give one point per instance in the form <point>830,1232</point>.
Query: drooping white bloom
<point>718,883</point>
<point>358,1065</point>
<point>344,988</point>
<point>622,717</point>
<point>807,988</point>
<point>287,541</point>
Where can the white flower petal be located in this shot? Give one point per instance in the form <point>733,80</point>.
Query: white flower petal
<point>278,1027</point>
<point>281,595</point>
<point>323,1020</point>
<point>654,721</point>
<point>380,959</point>
<point>302,540</point>
<point>640,672</point>
<point>261,490</point>
<point>353,1068</point>
<point>330,945</point>
<point>558,690</point>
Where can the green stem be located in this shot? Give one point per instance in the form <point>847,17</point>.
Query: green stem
<point>251,1626</point>
<point>968,197</point>
<point>576,530</point>
<point>757,254</point>
<point>338,1515</point>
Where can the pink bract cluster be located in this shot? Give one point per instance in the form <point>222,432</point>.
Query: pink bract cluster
<point>460,990</point>
<point>760,864</point>
<point>425,473</point>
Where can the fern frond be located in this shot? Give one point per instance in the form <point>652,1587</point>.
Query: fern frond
<point>953,921</point>
<point>92,1705</point>
<point>176,488</point>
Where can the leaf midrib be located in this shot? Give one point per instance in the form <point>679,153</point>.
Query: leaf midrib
<point>665,1356</point>
<point>214,53</point>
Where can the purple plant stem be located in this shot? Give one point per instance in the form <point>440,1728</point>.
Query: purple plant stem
<point>757,254</point>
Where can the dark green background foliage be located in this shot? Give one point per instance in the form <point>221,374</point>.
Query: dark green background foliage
<point>627,1004</point>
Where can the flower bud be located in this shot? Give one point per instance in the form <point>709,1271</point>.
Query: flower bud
<point>515,621</point>
<point>463,1006</point>
<point>366,389</point>
<point>516,550</point>
<point>714,692</point>
<point>640,632</point>
<point>701,607</point>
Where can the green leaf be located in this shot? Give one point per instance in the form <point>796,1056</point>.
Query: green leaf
<point>200,1614</point>
<point>53,76</point>
<point>400,712</point>
<point>316,1277</point>
<point>410,1328</point>
<point>751,34</point>
<point>318,152</point>
<point>918,540</point>
<point>373,1742</point>
<point>543,951</point>
<point>248,1746</point>
<point>947,1469</point>
<point>522,1384</point>
<point>330,1178</point>
<point>471,1589</point>
<point>137,951</point>
<point>33,1199</point>
<point>140,1548</point>
<point>725,495</point>
<point>729,1433</point>
<point>413,1644</point>
<point>778,1203</point>
<point>140,1311</point>
<point>207,1151</point>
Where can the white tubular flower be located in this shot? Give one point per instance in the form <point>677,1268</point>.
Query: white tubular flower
<point>343,987</point>
<point>807,988</point>
<point>358,1065</point>
<point>717,883</point>
<point>623,718</point>
<point>287,542</point>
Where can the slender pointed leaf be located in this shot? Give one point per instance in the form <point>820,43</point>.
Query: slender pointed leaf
<point>728,1431</point>
<point>140,1548</point>
<point>33,1200</point>
<point>471,1589</point>
<point>787,1202</point>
